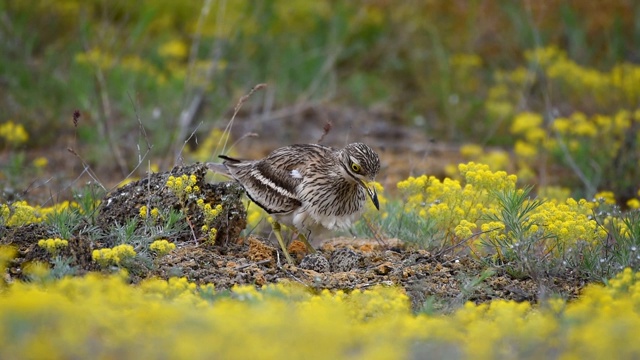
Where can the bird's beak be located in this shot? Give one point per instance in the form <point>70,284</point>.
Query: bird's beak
<point>371,190</point>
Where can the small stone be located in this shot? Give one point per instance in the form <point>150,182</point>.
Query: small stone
<point>315,262</point>
<point>383,269</point>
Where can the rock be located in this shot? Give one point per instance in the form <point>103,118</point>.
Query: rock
<point>384,268</point>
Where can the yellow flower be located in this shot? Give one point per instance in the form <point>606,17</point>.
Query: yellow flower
<point>143,212</point>
<point>525,122</point>
<point>471,151</point>
<point>525,150</point>
<point>40,162</point>
<point>53,245</point>
<point>162,247</point>
<point>561,125</point>
<point>176,49</point>
<point>465,229</point>
<point>608,197</point>
<point>13,134</point>
<point>114,256</point>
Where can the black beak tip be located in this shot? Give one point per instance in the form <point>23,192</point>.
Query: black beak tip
<point>374,198</point>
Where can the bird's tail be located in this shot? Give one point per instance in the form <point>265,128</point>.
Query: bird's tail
<point>219,168</point>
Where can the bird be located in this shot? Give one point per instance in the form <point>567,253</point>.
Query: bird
<point>308,186</point>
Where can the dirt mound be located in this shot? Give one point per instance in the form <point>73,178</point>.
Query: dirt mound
<point>124,203</point>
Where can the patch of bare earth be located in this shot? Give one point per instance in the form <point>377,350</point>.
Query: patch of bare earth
<point>339,264</point>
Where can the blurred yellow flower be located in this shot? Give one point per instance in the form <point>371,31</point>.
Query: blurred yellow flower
<point>607,197</point>
<point>471,151</point>
<point>176,49</point>
<point>633,203</point>
<point>526,121</point>
<point>13,134</point>
<point>40,162</point>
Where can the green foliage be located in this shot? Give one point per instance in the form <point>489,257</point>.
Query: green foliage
<point>142,232</point>
<point>397,222</point>
<point>66,221</point>
<point>619,250</point>
<point>61,267</point>
<point>88,199</point>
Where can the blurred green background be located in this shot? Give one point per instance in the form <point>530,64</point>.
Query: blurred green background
<point>545,89</point>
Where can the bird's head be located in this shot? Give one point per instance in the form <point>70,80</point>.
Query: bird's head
<point>362,165</point>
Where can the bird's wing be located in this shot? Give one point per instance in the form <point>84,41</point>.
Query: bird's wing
<point>270,185</point>
<point>298,157</point>
<point>272,182</point>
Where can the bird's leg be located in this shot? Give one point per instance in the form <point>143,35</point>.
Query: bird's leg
<point>276,229</point>
<point>302,237</point>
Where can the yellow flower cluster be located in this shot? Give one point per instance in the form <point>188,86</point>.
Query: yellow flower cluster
<point>40,162</point>
<point>465,229</point>
<point>501,99</point>
<point>211,233</point>
<point>133,63</point>
<point>183,186</point>
<point>210,213</point>
<point>53,245</point>
<point>497,159</point>
<point>529,126</point>
<point>634,203</point>
<point>554,193</point>
<point>598,138</point>
<point>453,207</point>
<point>144,212</point>
<point>162,247</point>
<point>494,232</point>
<point>607,197</point>
<point>175,49</point>
<point>605,87</point>
<point>460,210</point>
<point>61,318</point>
<point>113,256</point>
<point>13,134</point>
<point>21,213</point>
<point>568,222</point>
<point>255,214</point>
<point>531,135</point>
<point>7,253</point>
<point>480,177</point>
<point>595,138</point>
<point>607,131</point>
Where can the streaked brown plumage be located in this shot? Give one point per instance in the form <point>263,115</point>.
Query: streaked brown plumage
<point>308,186</point>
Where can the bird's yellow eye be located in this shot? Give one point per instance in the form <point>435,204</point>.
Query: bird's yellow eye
<point>355,167</point>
